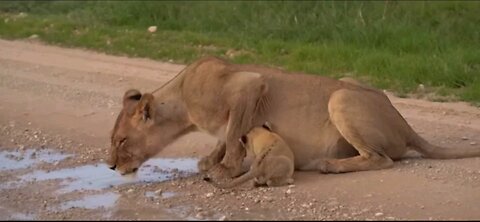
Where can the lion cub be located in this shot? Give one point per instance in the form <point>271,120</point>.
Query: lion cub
<point>274,160</point>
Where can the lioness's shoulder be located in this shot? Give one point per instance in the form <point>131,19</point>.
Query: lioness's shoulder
<point>211,60</point>
<point>208,64</point>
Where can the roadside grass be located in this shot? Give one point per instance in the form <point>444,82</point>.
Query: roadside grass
<point>411,48</point>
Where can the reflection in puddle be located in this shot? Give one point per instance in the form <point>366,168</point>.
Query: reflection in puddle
<point>99,176</point>
<point>11,160</point>
<point>105,200</point>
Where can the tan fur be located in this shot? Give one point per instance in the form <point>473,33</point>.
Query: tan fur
<point>332,126</point>
<point>274,160</point>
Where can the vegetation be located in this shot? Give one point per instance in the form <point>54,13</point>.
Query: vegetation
<point>395,45</point>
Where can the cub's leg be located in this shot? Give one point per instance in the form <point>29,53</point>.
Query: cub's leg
<point>259,181</point>
<point>371,125</point>
<point>279,171</point>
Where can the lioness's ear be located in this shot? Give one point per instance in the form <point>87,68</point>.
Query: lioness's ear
<point>267,126</point>
<point>144,106</point>
<point>131,95</point>
<point>243,140</point>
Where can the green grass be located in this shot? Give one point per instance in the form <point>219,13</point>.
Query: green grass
<point>392,45</point>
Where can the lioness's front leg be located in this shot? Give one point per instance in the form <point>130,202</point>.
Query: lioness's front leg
<point>207,162</point>
<point>231,164</point>
<point>243,93</point>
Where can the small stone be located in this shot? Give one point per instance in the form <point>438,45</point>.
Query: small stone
<point>152,29</point>
<point>159,191</point>
<point>222,218</point>
<point>34,36</point>
<point>289,191</point>
<point>421,87</point>
<point>333,203</point>
<point>130,190</point>
<point>390,218</point>
<point>120,79</point>
<point>464,138</point>
<point>379,214</point>
<point>209,195</point>
<point>199,215</point>
<point>291,186</point>
<point>246,208</point>
<point>473,143</point>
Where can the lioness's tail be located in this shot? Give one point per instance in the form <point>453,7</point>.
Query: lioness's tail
<point>239,180</point>
<point>436,152</point>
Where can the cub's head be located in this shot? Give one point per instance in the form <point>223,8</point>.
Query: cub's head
<point>143,128</point>
<point>246,140</point>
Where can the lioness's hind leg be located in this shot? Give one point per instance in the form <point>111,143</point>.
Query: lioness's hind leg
<point>357,163</point>
<point>369,133</point>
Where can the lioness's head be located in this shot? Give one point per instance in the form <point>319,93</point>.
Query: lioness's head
<point>143,127</point>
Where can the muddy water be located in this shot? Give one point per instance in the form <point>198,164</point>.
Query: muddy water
<point>12,160</point>
<point>99,176</point>
<point>104,200</point>
<point>80,180</point>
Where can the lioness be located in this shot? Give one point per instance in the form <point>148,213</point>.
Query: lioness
<point>274,160</point>
<point>333,126</point>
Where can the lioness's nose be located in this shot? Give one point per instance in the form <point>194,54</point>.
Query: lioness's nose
<point>113,167</point>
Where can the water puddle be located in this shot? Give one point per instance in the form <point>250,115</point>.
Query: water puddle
<point>151,194</point>
<point>94,177</point>
<point>99,176</point>
<point>104,200</point>
<point>20,216</point>
<point>12,160</point>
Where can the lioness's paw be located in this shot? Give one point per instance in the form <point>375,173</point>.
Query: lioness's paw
<point>324,167</point>
<point>217,172</point>
<point>204,164</point>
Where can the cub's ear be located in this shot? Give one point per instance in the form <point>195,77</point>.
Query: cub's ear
<point>243,140</point>
<point>144,107</point>
<point>131,95</point>
<point>267,126</point>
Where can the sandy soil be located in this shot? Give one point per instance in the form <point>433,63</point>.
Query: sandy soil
<point>63,101</point>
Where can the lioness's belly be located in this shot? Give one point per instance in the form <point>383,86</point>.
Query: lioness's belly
<point>298,111</point>
<point>310,141</point>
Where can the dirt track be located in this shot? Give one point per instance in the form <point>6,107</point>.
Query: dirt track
<point>65,100</point>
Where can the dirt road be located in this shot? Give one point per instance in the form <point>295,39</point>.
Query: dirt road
<point>57,109</point>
